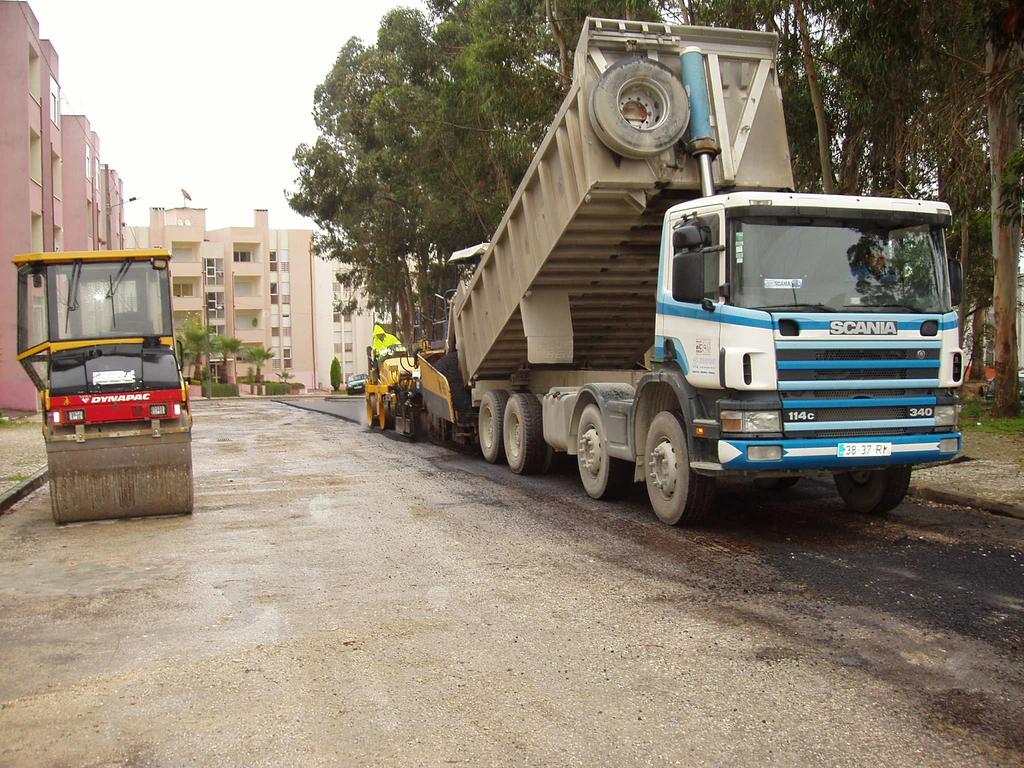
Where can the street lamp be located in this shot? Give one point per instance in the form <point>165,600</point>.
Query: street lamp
<point>110,207</point>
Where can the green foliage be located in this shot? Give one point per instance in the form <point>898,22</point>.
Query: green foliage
<point>221,390</point>
<point>335,374</point>
<point>425,133</point>
<point>275,388</point>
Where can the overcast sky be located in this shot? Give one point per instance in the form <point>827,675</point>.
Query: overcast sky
<point>212,96</point>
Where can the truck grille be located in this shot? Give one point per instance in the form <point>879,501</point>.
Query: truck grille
<point>850,390</point>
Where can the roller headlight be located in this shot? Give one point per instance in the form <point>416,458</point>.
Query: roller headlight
<point>751,421</point>
<point>947,415</point>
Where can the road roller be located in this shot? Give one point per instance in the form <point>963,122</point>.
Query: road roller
<point>95,335</point>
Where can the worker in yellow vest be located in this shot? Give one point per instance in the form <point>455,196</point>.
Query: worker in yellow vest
<point>385,343</point>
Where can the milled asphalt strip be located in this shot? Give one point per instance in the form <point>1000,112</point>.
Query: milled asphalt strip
<point>1002,508</point>
<point>11,497</point>
<point>326,406</point>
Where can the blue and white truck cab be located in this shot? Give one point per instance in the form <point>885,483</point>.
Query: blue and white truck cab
<point>811,333</point>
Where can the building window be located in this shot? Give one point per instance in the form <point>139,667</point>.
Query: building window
<point>35,82</point>
<point>91,218</point>
<point>337,317</point>
<point>54,102</point>
<point>348,346</point>
<point>37,231</point>
<point>35,152</point>
<point>88,162</point>
<point>184,290</point>
<point>243,257</point>
<point>282,267</point>
<point>275,332</point>
<point>57,175</point>
<point>273,259</point>
<point>214,271</point>
<point>286,299</point>
<point>348,318</point>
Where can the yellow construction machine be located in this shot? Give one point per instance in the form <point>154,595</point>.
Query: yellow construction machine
<point>95,335</point>
<point>392,382</point>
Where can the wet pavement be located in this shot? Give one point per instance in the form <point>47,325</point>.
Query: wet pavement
<point>343,599</point>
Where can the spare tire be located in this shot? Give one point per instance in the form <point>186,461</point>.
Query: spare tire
<point>639,108</point>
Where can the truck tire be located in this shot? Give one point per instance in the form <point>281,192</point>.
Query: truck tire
<point>873,492</point>
<point>639,108</point>
<point>490,422</point>
<point>523,435</point>
<point>679,496</point>
<point>603,477</point>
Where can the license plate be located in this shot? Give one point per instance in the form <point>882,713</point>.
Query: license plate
<point>863,450</point>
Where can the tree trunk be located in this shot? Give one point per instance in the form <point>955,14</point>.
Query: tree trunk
<point>1003,139</point>
<point>824,144</point>
<point>977,372</point>
<point>964,243</point>
<point>565,63</point>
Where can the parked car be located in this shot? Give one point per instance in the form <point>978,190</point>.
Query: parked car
<point>356,384</point>
<point>990,391</point>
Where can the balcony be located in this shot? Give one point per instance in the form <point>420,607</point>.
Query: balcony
<point>252,335</point>
<point>187,304</point>
<point>248,302</point>
<point>181,268</point>
<point>247,268</point>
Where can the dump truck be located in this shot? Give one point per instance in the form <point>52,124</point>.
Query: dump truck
<point>658,302</point>
<point>95,335</point>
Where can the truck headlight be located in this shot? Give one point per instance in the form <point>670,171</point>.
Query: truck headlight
<point>946,415</point>
<point>751,421</point>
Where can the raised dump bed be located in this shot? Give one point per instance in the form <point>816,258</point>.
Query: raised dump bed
<point>569,277</point>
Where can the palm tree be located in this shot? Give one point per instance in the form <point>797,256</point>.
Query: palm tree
<point>229,345</point>
<point>258,356</point>
<point>193,339</point>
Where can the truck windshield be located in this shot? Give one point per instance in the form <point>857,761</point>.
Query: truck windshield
<point>832,266</point>
<point>105,300</point>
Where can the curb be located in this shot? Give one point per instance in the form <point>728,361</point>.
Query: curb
<point>1003,508</point>
<point>9,498</point>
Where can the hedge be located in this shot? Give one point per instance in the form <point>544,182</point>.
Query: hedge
<point>276,388</point>
<point>223,390</point>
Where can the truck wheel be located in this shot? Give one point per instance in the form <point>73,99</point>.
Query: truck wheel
<point>678,495</point>
<point>639,108</point>
<point>603,477</point>
<point>775,483</point>
<point>489,425</point>
<point>873,492</point>
<point>523,434</point>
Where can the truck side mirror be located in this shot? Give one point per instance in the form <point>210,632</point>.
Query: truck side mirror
<point>956,282</point>
<point>688,277</point>
<point>687,237</point>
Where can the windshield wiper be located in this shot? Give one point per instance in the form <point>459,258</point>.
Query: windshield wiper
<point>798,305</point>
<point>883,306</point>
<point>76,273</point>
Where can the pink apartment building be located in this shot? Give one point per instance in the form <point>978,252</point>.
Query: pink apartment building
<point>47,202</point>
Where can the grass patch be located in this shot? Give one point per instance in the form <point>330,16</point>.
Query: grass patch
<point>976,416</point>
<point>17,478</point>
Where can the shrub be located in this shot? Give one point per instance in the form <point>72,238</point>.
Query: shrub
<point>335,374</point>
<point>275,388</point>
<point>222,390</point>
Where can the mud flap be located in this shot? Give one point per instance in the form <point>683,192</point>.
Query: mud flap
<point>111,478</point>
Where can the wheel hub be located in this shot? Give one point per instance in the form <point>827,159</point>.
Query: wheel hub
<point>662,467</point>
<point>515,436</point>
<point>588,449</point>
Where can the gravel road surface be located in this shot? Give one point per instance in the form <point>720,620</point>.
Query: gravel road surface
<point>341,598</point>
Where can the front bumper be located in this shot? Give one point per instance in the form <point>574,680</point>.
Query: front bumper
<point>820,453</point>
